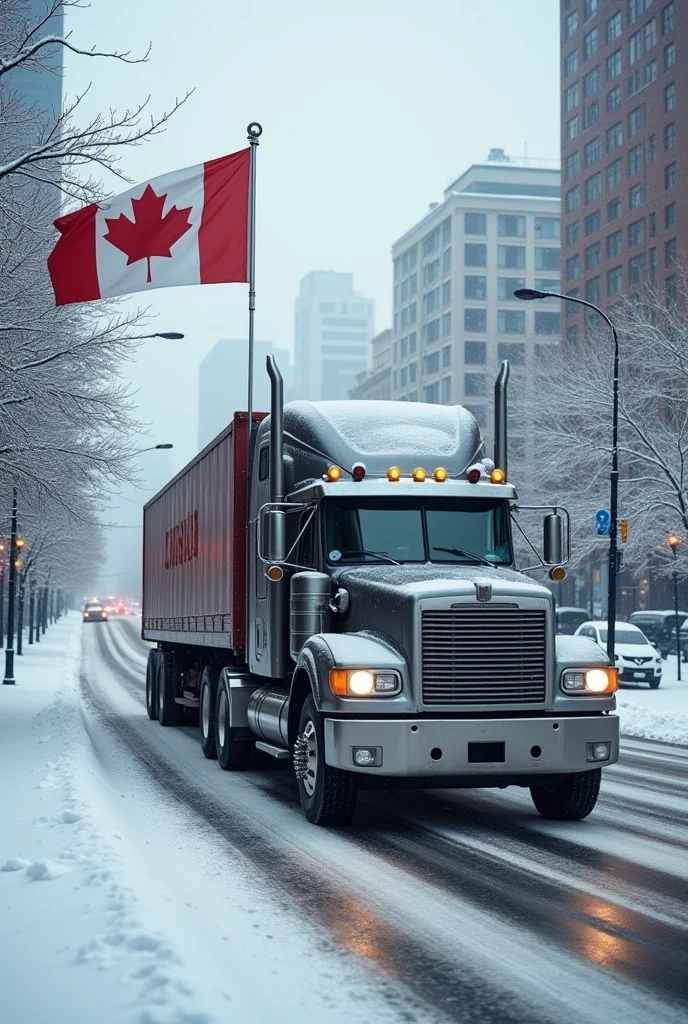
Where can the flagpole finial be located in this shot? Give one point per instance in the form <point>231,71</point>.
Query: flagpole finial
<point>254,131</point>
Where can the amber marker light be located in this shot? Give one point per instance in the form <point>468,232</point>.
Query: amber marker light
<point>497,476</point>
<point>394,474</point>
<point>440,475</point>
<point>558,574</point>
<point>334,473</point>
<point>419,475</point>
<point>275,573</point>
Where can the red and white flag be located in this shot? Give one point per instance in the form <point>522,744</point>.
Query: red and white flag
<point>187,227</point>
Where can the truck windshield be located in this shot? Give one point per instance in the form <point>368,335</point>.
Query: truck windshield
<point>376,530</point>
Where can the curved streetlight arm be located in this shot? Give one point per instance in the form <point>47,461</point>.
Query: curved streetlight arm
<point>153,448</point>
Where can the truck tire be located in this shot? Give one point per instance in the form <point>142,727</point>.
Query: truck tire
<point>152,672</point>
<point>169,712</point>
<point>571,798</point>
<point>328,795</point>
<point>207,701</point>
<point>233,755</point>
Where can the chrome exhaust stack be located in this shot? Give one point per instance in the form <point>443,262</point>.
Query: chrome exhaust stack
<point>501,448</point>
<point>276,432</point>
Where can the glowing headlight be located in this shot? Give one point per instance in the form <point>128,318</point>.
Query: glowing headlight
<point>594,680</point>
<point>361,682</point>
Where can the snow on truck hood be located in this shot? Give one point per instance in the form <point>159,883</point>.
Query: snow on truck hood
<point>442,580</point>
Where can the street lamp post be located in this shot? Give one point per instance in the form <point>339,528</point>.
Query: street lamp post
<point>153,448</point>
<point>673,541</point>
<point>532,293</point>
<point>9,679</point>
<point>167,335</point>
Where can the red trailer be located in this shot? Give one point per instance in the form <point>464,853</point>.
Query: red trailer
<point>194,548</point>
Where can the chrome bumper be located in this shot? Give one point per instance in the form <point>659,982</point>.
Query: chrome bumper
<point>410,747</point>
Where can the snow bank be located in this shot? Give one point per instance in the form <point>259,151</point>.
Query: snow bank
<point>661,714</point>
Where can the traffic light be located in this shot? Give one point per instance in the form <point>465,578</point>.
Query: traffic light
<point>623,527</point>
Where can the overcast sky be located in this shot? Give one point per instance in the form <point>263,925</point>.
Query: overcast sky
<point>369,108</point>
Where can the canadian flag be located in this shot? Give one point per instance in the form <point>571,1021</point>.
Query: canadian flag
<point>186,227</point>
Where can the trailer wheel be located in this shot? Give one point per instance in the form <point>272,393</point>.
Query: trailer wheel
<point>152,672</point>
<point>328,795</point>
<point>233,755</point>
<point>169,712</point>
<point>571,798</point>
<point>206,710</point>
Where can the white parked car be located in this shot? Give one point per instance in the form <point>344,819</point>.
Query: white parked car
<point>636,659</point>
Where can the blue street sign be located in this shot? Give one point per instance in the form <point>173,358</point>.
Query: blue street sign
<point>602,522</point>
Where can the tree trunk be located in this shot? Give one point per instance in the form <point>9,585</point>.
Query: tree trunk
<point>20,617</point>
<point>32,608</point>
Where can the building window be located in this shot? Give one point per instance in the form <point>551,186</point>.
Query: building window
<point>572,165</point>
<point>592,289</point>
<point>547,227</point>
<point>475,384</point>
<point>413,312</point>
<point>614,281</point>
<point>511,321</point>
<point>514,351</point>
<point>636,8</point>
<point>635,160</point>
<point>636,120</point>
<point>547,259</point>
<point>614,98</point>
<point>446,325</point>
<point>475,320</point>
<point>652,149</point>
<point>431,301</point>
<point>570,25</point>
<point>573,199</point>
<point>404,377</point>
<point>613,209</point>
<point>589,9</point>
<point>650,72</point>
<point>636,269</point>
<point>670,252</point>
<point>571,63</point>
<point>593,222</point>
<point>573,267</point>
<point>506,286</point>
<point>593,151</point>
<point>511,256</point>
<point>511,226</point>
<point>668,18</point>
<point>670,135</point>
<point>572,233</point>
<point>475,254</point>
<point>635,47</point>
<point>591,83</point>
<point>431,271</point>
<point>670,176</point>
<point>431,331</point>
<point>592,114</point>
<point>650,34</point>
<point>614,65</point>
<point>614,175</point>
<point>446,262</point>
<point>669,55</point>
<point>636,233</point>
<point>614,245</point>
<point>593,187</point>
<point>572,128</point>
<point>671,290</point>
<point>446,390</point>
<point>446,293</point>
<point>613,27</point>
<point>412,342</point>
<point>431,363</point>
<point>670,96</point>
<point>547,284</point>
<point>431,242</point>
<point>412,372</point>
<point>572,96</point>
<point>590,43</point>
<point>446,231</point>
<point>474,223</point>
<point>431,393</point>
<point>614,137</point>
<point>474,287</point>
<point>475,353</point>
<point>636,197</point>
<point>592,256</point>
<point>547,323</point>
<point>446,355</point>
<point>670,215</point>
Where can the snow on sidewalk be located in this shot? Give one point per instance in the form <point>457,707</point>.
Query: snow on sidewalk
<point>660,714</point>
<point>76,944</point>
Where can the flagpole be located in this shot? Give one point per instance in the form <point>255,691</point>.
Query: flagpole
<point>254,131</point>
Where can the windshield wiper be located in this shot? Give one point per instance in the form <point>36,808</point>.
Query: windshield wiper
<point>459,552</point>
<point>373,554</point>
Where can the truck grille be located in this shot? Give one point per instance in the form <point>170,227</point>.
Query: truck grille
<point>479,655</point>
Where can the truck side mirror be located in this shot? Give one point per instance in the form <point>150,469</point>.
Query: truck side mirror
<point>553,539</point>
<point>273,535</point>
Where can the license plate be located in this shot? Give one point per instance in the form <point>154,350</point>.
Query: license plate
<point>639,675</point>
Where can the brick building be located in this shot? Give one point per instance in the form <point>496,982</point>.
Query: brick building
<point>624,148</point>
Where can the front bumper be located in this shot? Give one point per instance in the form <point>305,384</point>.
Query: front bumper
<point>410,746</point>
<point>629,673</point>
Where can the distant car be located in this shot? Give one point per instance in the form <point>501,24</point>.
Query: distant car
<point>658,626</point>
<point>95,613</point>
<point>636,658</point>
<point>683,632</point>
<point>569,619</point>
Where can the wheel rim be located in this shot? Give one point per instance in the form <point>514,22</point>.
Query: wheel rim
<point>310,736</point>
<point>161,693</point>
<point>222,718</point>
<point>205,712</point>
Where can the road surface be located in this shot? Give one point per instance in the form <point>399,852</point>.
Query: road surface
<point>448,905</point>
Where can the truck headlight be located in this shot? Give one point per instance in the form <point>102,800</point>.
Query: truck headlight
<point>597,681</point>
<point>361,682</point>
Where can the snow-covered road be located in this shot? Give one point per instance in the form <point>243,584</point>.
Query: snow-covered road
<point>140,884</point>
<point>461,906</point>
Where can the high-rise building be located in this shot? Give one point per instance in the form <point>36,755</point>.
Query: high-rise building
<point>376,383</point>
<point>624,148</point>
<point>223,383</point>
<point>455,272</point>
<point>333,328</point>
<point>41,89</point>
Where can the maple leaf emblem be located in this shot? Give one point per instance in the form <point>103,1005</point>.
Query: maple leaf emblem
<point>149,233</point>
